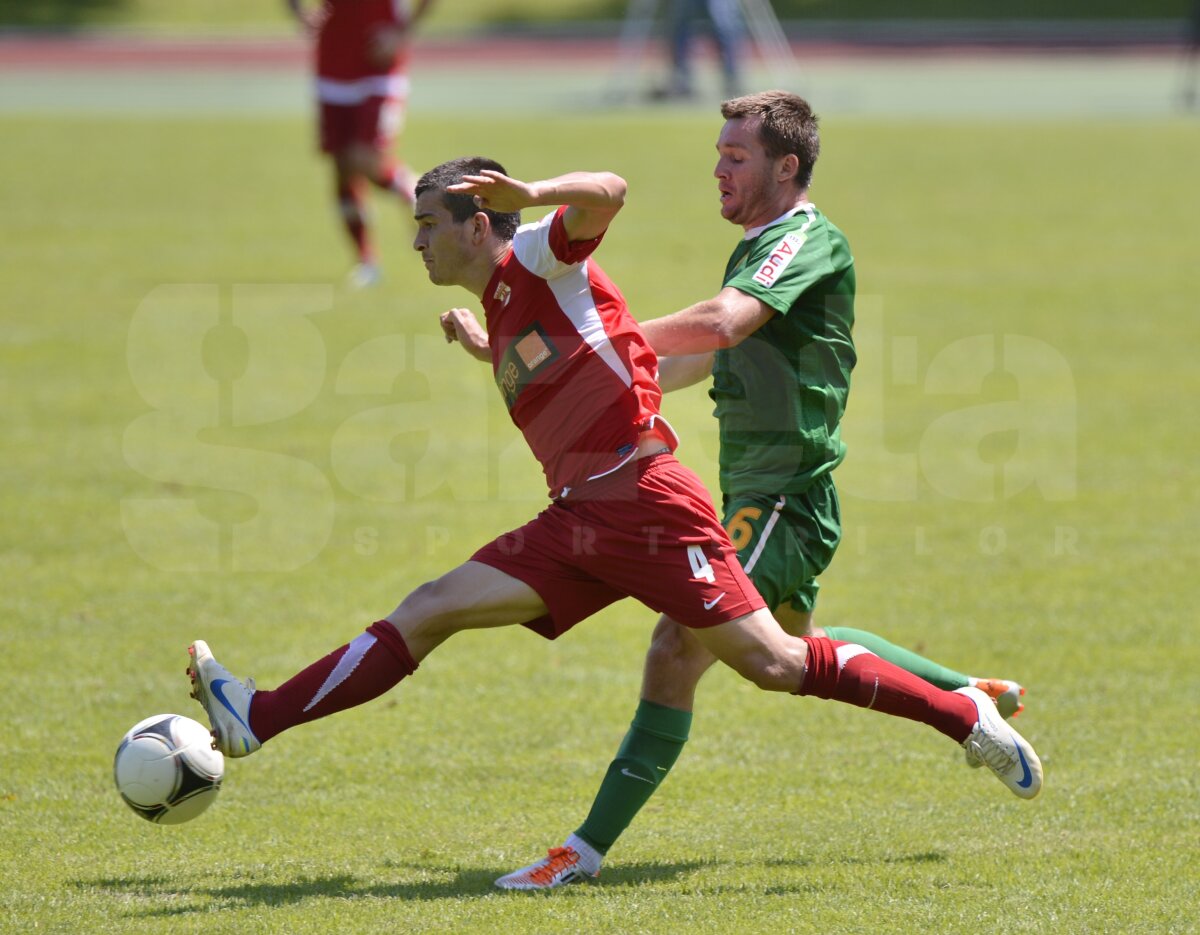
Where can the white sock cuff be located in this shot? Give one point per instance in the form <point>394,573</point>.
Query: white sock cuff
<point>848,651</point>
<point>589,858</point>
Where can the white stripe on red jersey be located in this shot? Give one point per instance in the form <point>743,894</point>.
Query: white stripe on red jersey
<point>575,370</point>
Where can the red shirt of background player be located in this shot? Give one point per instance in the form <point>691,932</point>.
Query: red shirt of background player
<point>345,50</point>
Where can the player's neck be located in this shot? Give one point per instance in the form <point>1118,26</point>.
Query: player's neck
<point>776,209</point>
<point>475,279</point>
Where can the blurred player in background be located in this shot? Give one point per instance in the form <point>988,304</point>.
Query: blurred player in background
<point>362,53</point>
<point>776,341</point>
<point>724,20</point>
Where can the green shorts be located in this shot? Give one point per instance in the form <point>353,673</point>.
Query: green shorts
<point>785,540</point>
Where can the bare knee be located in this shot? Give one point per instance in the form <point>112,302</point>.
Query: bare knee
<point>675,663</point>
<point>356,162</point>
<point>673,649</point>
<point>772,674</point>
<point>759,650</point>
<point>774,669</point>
<point>431,610</point>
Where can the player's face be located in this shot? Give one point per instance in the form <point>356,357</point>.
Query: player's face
<point>746,175</point>
<point>443,243</point>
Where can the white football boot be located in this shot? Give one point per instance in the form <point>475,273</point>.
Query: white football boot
<point>573,862</point>
<point>993,743</point>
<point>226,701</point>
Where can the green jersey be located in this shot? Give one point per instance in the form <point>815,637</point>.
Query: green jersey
<point>781,393</point>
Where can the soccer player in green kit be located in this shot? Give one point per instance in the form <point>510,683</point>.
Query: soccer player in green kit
<point>777,342</point>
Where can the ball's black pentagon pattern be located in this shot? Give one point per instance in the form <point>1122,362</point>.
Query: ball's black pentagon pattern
<point>192,784</point>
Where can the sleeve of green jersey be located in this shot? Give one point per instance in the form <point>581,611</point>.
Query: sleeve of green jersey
<point>781,268</point>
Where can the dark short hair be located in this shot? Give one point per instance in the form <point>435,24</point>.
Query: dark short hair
<point>462,207</point>
<point>787,126</point>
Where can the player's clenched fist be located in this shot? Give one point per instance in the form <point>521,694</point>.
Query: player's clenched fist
<point>460,324</point>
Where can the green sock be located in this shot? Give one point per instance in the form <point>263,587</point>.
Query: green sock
<point>653,744</point>
<point>919,666</point>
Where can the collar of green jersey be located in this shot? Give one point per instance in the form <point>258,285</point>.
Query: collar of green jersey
<point>755,231</point>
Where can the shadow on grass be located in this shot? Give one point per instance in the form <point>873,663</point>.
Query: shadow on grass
<point>800,888</point>
<point>176,898</point>
<point>162,896</point>
<point>923,857</point>
<point>656,872</point>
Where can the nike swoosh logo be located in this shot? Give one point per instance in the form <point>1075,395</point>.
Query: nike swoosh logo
<point>709,605</point>
<point>625,772</point>
<point>219,694</point>
<point>1027,779</point>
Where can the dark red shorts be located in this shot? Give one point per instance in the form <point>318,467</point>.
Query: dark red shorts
<point>648,531</point>
<point>375,122</point>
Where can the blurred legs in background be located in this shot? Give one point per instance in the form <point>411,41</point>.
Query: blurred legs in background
<point>725,21</point>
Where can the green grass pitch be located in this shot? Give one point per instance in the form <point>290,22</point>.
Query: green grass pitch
<point>1020,500</point>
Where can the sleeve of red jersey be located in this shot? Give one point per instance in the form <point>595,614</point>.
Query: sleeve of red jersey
<point>544,249</point>
<point>566,250</point>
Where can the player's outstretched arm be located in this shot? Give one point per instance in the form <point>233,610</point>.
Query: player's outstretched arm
<point>460,324</point>
<point>725,320</point>
<point>592,198</point>
<point>674,373</point>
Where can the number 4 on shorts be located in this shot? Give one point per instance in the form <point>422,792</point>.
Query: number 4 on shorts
<point>701,570</point>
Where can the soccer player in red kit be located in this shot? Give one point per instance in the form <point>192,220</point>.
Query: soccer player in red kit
<point>362,53</point>
<point>625,517</point>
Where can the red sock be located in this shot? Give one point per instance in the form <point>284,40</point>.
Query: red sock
<point>350,204</point>
<point>848,672</point>
<point>357,672</point>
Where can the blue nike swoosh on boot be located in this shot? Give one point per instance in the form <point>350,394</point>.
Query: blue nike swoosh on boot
<point>220,696</point>
<point>1027,780</point>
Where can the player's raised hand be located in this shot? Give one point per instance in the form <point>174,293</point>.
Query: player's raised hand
<point>495,191</point>
<point>460,324</point>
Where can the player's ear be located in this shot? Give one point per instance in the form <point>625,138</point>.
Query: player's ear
<point>789,167</point>
<point>481,226</point>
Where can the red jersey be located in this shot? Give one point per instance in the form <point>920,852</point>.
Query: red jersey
<point>344,42</point>
<point>575,370</point>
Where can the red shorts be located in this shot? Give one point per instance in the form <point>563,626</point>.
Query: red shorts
<point>649,531</point>
<point>375,122</point>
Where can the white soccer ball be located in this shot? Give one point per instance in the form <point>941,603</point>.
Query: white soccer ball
<point>167,770</point>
